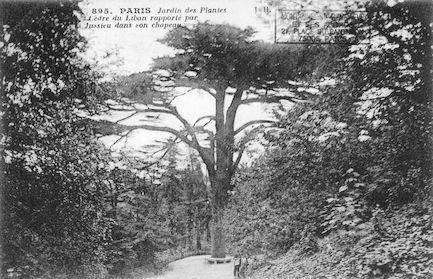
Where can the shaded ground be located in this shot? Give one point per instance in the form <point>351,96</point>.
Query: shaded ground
<point>196,267</point>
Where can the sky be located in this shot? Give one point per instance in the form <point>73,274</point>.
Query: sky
<point>135,48</point>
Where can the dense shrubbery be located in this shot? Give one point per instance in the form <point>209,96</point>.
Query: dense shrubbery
<point>265,216</point>
<point>52,166</point>
<point>157,216</point>
<point>392,244</point>
<point>398,244</point>
<point>356,162</point>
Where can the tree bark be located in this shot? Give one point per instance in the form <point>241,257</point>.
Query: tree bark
<point>218,242</point>
<point>219,198</point>
<point>221,176</point>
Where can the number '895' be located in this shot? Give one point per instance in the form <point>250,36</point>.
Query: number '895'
<point>100,11</point>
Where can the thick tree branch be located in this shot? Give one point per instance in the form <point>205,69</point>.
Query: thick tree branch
<point>173,111</point>
<point>232,109</point>
<point>127,117</point>
<point>270,99</point>
<point>252,122</point>
<point>210,117</point>
<point>160,129</point>
<point>111,107</point>
<point>194,84</point>
<point>238,158</point>
<point>207,158</point>
<point>242,146</point>
<point>205,153</point>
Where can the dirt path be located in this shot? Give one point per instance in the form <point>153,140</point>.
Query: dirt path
<point>196,267</point>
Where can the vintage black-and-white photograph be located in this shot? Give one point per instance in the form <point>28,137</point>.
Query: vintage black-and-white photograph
<point>205,139</point>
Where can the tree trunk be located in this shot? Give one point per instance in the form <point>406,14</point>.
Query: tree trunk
<point>218,242</point>
<point>220,177</point>
<point>219,198</point>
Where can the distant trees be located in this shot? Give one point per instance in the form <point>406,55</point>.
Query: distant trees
<point>159,210</point>
<point>185,198</point>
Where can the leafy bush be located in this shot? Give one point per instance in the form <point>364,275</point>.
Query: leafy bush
<point>399,246</point>
<point>348,208</point>
<point>268,215</point>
